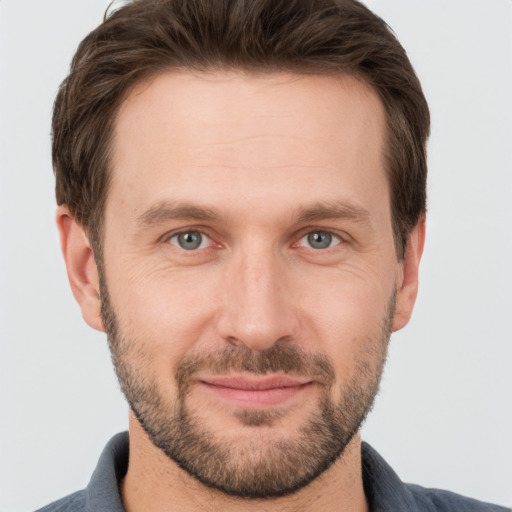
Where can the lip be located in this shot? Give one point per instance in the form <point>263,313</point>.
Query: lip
<point>255,392</point>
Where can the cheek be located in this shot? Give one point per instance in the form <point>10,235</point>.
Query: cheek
<point>166,311</point>
<point>346,301</point>
<point>345,319</point>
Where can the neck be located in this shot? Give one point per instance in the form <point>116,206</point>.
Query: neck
<point>154,483</point>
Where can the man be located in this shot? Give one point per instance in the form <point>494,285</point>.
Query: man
<point>241,192</point>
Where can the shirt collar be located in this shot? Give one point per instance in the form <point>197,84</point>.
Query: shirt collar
<point>383,488</point>
<point>102,493</point>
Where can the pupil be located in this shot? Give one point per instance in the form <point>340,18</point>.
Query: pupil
<point>189,240</point>
<point>320,240</point>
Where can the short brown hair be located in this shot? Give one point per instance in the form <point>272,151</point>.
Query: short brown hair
<point>146,37</point>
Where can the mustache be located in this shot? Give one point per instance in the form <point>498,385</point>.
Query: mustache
<point>280,358</point>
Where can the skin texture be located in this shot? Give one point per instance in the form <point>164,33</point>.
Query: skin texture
<point>255,164</point>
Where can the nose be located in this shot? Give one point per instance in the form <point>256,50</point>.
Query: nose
<point>257,309</point>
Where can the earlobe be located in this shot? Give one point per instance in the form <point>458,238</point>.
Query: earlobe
<point>81,267</point>
<point>407,281</point>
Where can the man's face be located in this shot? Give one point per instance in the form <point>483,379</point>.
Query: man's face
<point>249,271</point>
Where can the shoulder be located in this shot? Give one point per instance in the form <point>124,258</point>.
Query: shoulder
<point>75,502</point>
<point>387,492</point>
<point>102,492</point>
<point>446,501</point>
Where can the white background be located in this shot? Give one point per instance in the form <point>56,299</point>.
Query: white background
<point>444,415</point>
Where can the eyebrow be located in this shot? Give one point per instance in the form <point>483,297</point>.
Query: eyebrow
<point>164,211</point>
<point>328,211</point>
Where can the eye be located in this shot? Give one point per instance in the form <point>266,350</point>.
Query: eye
<point>190,240</point>
<point>319,240</point>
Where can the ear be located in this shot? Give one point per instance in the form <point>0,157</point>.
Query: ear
<point>407,279</point>
<point>81,267</point>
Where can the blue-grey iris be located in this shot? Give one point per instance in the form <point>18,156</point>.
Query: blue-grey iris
<point>189,241</point>
<point>319,240</point>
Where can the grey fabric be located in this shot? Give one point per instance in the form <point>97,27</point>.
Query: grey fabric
<point>384,490</point>
<point>102,493</point>
<point>387,493</point>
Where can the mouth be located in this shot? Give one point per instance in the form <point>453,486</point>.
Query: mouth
<point>255,392</point>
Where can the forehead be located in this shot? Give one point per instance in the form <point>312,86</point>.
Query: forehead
<point>288,135</point>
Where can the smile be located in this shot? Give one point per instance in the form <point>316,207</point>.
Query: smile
<point>253,392</point>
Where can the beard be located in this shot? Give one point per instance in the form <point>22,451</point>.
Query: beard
<point>255,465</point>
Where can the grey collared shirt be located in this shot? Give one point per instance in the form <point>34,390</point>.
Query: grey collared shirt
<point>384,490</point>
